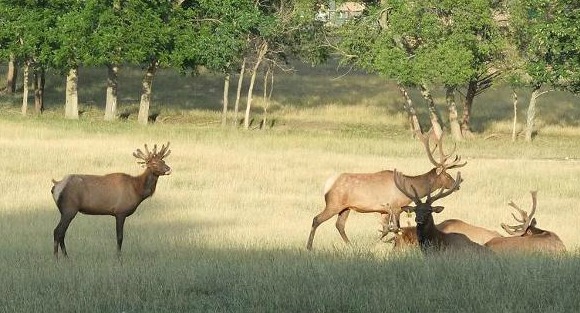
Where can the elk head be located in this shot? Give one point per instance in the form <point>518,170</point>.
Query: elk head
<point>428,235</point>
<point>153,160</point>
<point>527,221</point>
<point>423,210</point>
<point>442,177</point>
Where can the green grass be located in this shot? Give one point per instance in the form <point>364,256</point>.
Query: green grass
<point>226,232</point>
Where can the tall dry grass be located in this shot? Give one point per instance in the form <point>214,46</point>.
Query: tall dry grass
<point>226,231</point>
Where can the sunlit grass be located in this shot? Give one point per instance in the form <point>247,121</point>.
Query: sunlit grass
<point>227,230</point>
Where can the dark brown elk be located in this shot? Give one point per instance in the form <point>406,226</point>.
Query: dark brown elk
<point>526,237</point>
<point>376,192</point>
<point>116,194</point>
<point>429,237</point>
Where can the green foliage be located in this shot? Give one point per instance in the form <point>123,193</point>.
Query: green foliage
<point>439,42</point>
<point>545,34</point>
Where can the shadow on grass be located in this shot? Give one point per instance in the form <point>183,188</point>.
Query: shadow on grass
<point>173,275</point>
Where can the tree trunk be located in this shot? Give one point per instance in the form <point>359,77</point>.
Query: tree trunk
<point>467,105</point>
<point>146,86</point>
<point>259,58</point>
<point>25,88</point>
<point>515,123</point>
<point>531,118</point>
<point>267,93</point>
<point>112,88</point>
<point>225,100</point>
<point>39,82</point>
<point>11,75</point>
<point>453,116</point>
<point>239,92</point>
<point>434,115</point>
<point>71,106</point>
<point>411,112</point>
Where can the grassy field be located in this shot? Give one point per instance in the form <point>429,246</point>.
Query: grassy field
<point>226,232</point>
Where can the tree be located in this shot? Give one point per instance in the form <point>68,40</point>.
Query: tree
<point>25,37</point>
<point>545,36</point>
<point>214,35</point>
<point>108,46</point>
<point>286,28</point>
<point>423,44</point>
<point>72,47</point>
<point>150,42</point>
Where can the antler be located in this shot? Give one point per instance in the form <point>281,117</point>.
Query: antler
<point>442,156</point>
<point>526,220</point>
<point>148,155</point>
<point>403,187</point>
<point>444,193</point>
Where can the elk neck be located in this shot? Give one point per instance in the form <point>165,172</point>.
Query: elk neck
<point>146,183</point>
<point>423,183</point>
<point>428,235</point>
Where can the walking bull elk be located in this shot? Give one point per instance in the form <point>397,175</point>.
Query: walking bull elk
<point>376,192</point>
<point>116,194</point>
<point>526,237</point>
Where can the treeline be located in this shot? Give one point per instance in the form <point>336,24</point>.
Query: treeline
<point>228,36</point>
<point>463,46</point>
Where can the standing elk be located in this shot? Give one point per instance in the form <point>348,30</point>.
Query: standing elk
<point>429,237</point>
<point>116,194</point>
<point>526,237</point>
<point>376,192</point>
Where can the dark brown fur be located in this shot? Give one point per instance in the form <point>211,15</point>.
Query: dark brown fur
<point>116,194</point>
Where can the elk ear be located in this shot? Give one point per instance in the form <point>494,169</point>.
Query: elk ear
<point>408,208</point>
<point>437,209</point>
<point>439,170</point>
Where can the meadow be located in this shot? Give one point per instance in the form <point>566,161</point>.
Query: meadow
<point>226,231</point>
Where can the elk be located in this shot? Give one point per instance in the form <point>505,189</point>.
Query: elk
<point>115,194</point>
<point>406,237</point>
<point>429,237</point>
<point>376,192</point>
<point>526,237</point>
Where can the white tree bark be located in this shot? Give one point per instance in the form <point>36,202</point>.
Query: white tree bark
<point>225,100</point>
<point>25,75</point>
<point>146,88</point>
<point>71,106</point>
<point>112,88</point>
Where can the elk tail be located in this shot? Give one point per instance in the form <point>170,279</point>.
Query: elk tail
<point>330,182</point>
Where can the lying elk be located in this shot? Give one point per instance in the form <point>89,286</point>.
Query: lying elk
<point>526,237</point>
<point>116,194</point>
<point>376,192</point>
<point>406,237</point>
<point>429,237</point>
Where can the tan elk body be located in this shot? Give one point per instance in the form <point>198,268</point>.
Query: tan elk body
<point>115,194</point>
<point>376,192</point>
<point>526,237</point>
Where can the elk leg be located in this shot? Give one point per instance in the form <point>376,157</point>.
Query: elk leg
<point>60,232</point>
<point>340,222</point>
<point>316,221</point>
<point>120,219</point>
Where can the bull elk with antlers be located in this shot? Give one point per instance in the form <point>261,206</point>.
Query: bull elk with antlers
<point>406,237</point>
<point>116,194</point>
<point>376,192</point>
<point>429,237</point>
<point>526,237</point>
